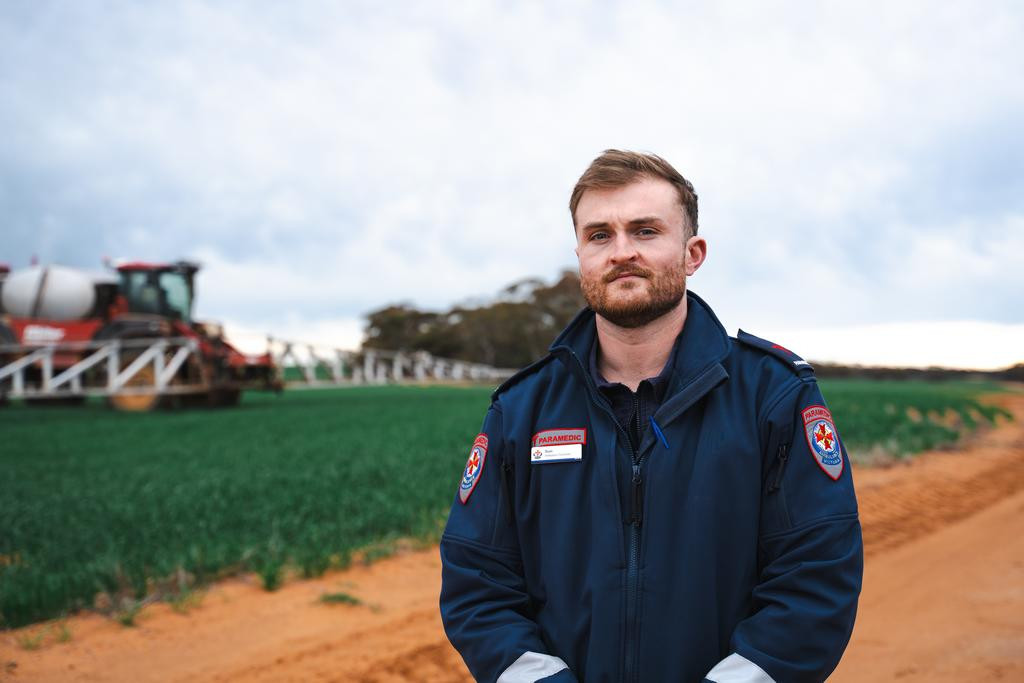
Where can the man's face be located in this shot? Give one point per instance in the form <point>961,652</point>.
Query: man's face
<point>633,252</point>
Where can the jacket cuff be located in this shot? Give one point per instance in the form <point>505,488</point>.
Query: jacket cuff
<point>737,669</point>
<point>532,667</point>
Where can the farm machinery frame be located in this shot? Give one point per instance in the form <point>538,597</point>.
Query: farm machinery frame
<point>66,335</point>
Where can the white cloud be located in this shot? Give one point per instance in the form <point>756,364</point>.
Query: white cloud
<point>323,160</point>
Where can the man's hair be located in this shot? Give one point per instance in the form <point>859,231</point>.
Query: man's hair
<point>617,168</point>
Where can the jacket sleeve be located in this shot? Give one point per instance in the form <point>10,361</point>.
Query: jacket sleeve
<point>810,549</point>
<point>485,606</point>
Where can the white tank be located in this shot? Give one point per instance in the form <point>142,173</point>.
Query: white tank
<point>62,293</point>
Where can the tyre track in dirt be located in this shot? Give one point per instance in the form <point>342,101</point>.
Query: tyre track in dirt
<point>946,607</point>
<point>943,597</point>
<point>241,633</point>
<point>901,503</point>
<point>392,651</point>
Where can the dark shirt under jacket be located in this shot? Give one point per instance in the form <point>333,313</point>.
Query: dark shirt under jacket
<point>633,410</point>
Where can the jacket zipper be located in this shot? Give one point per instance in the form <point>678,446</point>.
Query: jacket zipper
<point>782,455</point>
<point>633,566</point>
<point>633,575</point>
<point>506,485</point>
<point>630,672</point>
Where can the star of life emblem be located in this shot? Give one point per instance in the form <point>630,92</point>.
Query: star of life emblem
<point>474,466</point>
<point>823,440</point>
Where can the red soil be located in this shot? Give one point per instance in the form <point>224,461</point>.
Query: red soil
<point>943,599</point>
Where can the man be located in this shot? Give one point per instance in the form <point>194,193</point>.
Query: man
<point>654,500</point>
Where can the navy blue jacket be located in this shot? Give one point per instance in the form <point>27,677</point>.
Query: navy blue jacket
<point>741,540</point>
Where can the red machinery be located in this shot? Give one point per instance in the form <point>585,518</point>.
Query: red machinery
<point>74,313</point>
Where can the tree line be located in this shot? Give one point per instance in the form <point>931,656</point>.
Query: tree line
<point>517,327</point>
<point>511,331</point>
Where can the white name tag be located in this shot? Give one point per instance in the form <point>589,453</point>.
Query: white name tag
<point>565,453</point>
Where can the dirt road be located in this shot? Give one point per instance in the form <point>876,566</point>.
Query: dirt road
<point>943,599</point>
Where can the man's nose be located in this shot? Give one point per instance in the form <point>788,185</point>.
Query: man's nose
<point>623,248</point>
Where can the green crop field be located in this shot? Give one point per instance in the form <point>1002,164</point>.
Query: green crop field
<point>904,417</point>
<point>97,503</point>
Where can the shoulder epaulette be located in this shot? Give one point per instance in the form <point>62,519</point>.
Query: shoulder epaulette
<point>525,372</point>
<point>793,361</point>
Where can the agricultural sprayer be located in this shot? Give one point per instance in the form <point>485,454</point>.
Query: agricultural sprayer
<point>127,334</point>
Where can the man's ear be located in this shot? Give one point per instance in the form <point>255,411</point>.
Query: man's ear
<point>696,252</point>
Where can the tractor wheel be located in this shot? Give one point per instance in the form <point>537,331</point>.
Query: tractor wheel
<point>191,372</point>
<point>136,403</point>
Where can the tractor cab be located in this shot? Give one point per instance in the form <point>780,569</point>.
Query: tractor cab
<point>159,289</point>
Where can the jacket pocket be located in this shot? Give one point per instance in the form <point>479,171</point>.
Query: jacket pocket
<point>778,470</point>
<point>773,502</point>
<point>506,511</point>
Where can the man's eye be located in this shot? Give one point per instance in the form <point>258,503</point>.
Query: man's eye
<point>598,236</point>
<point>647,231</point>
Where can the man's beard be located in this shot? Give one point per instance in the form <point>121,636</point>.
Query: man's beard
<point>664,292</point>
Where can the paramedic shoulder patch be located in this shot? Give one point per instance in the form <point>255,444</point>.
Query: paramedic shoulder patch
<point>823,440</point>
<point>474,466</point>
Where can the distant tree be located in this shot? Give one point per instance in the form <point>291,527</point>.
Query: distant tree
<point>1014,374</point>
<point>511,332</point>
<point>562,300</point>
<point>397,327</point>
<point>520,326</point>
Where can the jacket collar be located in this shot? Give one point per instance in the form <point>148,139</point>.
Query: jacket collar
<point>703,342</point>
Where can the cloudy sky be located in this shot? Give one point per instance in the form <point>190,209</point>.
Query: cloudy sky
<point>859,164</point>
